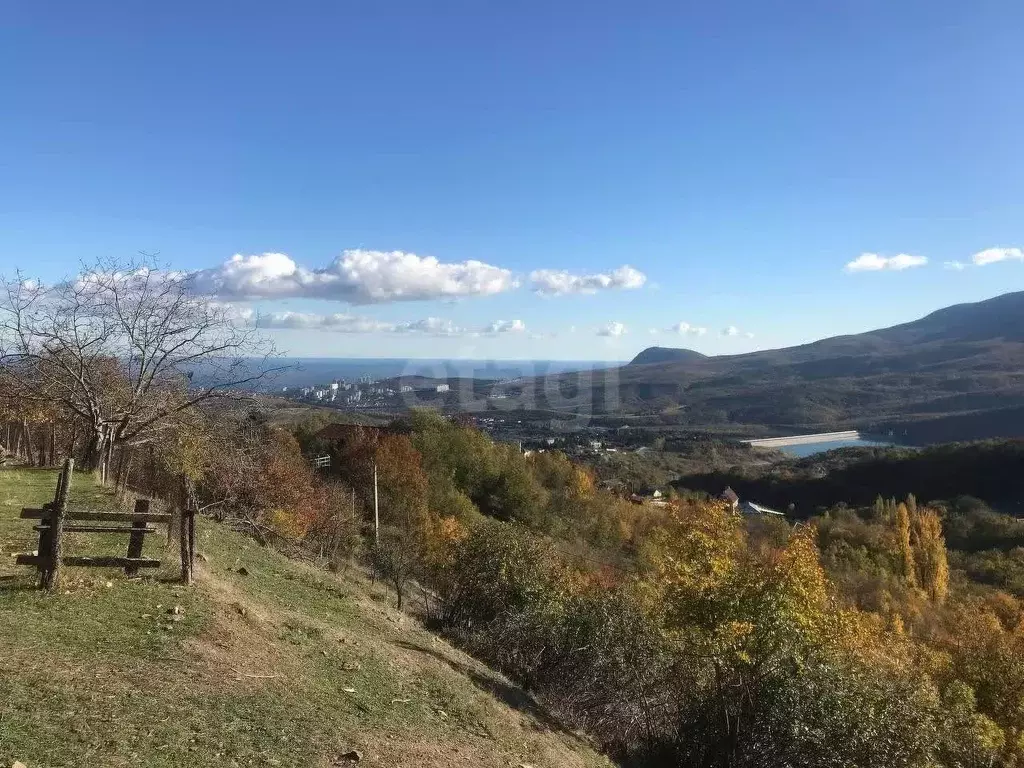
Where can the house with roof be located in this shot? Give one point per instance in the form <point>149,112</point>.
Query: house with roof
<point>730,497</point>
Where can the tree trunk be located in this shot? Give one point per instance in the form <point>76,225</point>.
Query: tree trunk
<point>73,440</point>
<point>28,441</point>
<point>42,451</point>
<point>94,449</point>
<point>124,471</point>
<point>108,460</point>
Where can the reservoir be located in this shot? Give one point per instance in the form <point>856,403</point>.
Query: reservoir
<point>808,445</point>
<point>809,449</point>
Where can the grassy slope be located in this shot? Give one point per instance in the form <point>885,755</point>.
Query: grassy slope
<point>285,666</point>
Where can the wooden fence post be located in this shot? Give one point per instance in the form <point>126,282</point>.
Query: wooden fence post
<point>187,537</point>
<point>191,539</point>
<point>46,532</point>
<point>108,456</point>
<point>180,501</point>
<point>135,539</point>
<point>51,576</point>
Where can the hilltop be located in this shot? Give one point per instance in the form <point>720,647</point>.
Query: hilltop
<point>267,661</point>
<point>666,355</point>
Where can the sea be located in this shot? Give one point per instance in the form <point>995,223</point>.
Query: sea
<point>310,371</point>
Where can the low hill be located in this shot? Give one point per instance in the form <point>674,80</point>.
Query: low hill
<point>964,361</point>
<point>264,662</point>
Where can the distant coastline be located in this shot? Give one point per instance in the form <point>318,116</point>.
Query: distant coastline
<point>311,371</point>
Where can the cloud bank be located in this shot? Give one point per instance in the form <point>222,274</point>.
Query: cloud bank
<point>355,276</point>
<point>560,282</point>
<point>347,323</point>
<point>873,262</point>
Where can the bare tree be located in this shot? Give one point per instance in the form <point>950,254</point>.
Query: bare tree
<point>125,347</point>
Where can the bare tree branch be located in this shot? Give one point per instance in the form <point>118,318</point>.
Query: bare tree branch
<point>126,347</point>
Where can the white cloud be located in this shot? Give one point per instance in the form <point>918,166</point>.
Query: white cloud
<point>560,282</point>
<point>355,276</point>
<point>233,312</point>
<point>732,332</point>
<point>612,329</point>
<point>685,329</point>
<point>872,262</point>
<point>435,326</point>
<point>957,266</point>
<point>994,255</point>
<point>340,322</point>
<point>346,323</point>
<point>506,326</point>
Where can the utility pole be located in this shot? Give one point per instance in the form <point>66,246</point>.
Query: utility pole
<point>376,510</point>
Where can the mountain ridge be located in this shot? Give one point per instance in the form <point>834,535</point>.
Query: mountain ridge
<point>964,361</point>
<point>1000,316</point>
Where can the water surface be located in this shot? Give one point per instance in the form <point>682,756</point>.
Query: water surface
<point>809,449</point>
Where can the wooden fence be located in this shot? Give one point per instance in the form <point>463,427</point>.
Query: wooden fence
<point>56,519</point>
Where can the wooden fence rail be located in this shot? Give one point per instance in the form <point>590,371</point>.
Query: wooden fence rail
<point>55,519</point>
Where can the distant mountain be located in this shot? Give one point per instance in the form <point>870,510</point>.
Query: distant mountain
<point>666,355</point>
<point>963,364</point>
<point>941,334</point>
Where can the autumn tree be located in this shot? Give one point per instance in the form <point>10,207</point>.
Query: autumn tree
<point>400,549</point>
<point>767,672</point>
<point>904,546</point>
<point>930,554</point>
<point>123,347</point>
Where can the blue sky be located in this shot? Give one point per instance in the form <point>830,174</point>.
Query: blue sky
<point>735,155</point>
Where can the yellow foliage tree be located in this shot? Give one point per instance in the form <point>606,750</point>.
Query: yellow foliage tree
<point>930,554</point>
<point>904,548</point>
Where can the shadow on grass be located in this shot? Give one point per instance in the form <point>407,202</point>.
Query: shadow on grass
<point>18,583</point>
<point>511,695</point>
